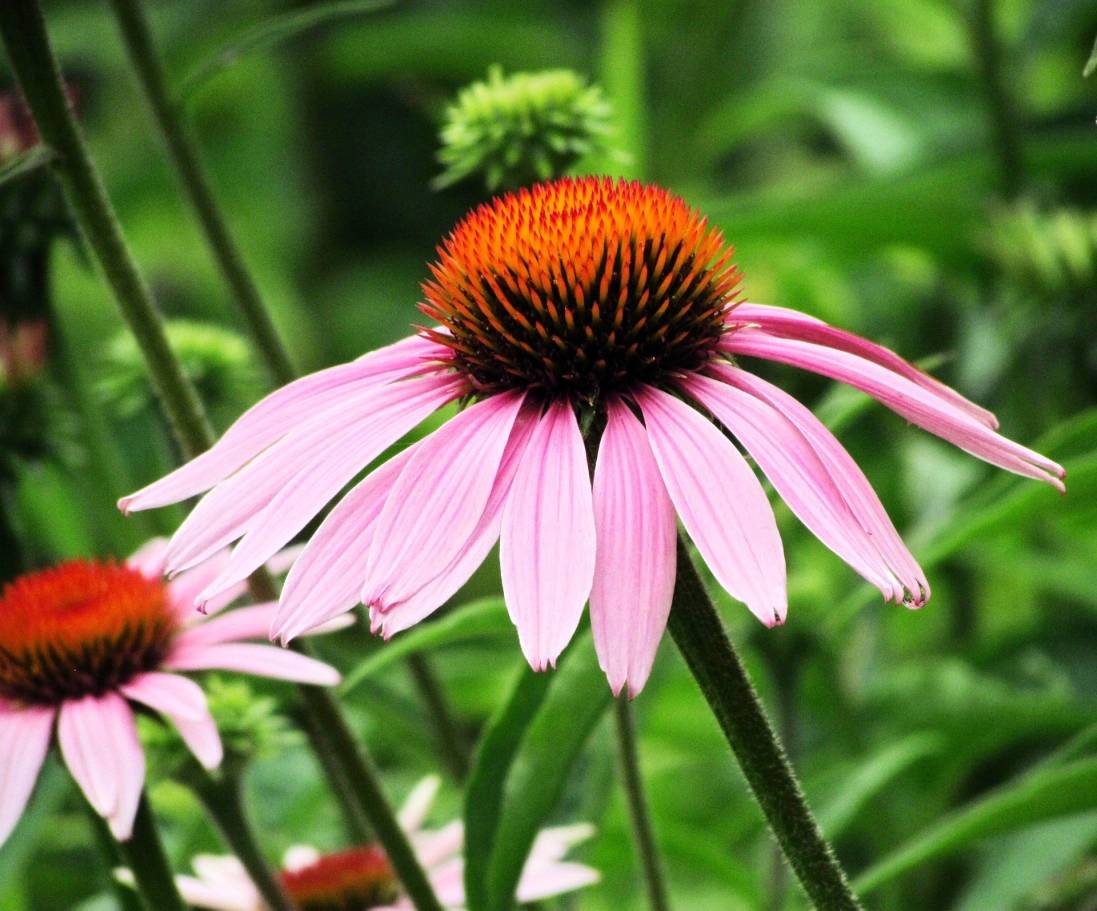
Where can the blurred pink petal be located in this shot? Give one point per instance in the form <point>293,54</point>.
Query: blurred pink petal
<point>184,704</point>
<point>635,563</point>
<point>24,741</point>
<point>250,658</point>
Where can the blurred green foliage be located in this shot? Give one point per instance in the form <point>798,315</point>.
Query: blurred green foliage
<point>847,149</point>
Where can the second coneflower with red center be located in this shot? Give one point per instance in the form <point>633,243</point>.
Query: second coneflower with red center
<point>589,300</point>
<point>83,643</point>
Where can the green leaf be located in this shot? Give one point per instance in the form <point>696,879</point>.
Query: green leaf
<point>578,699</point>
<point>1041,795</point>
<point>272,32</point>
<point>479,618</point>
<point>31,160</point>
<point>871,777</point>
<point>484,791</point>
<point>1091,64</point>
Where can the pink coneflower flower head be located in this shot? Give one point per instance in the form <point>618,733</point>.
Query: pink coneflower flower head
<point>587,300</point>
<point>82,643</point>
<point>361,878</point>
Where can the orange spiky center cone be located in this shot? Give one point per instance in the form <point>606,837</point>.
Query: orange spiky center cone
<point>80,629</point>
<point>351,880</point>
<point>580,288</point>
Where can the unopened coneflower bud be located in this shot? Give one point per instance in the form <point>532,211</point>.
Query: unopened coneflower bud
<point>523,127</point>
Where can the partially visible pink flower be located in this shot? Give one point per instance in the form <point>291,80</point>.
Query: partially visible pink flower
<point>610,302</point>
<point>22,350</point>
<point>84,642</point>
<point>361,878</point>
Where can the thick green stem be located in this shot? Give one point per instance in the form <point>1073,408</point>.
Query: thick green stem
<point>223,799</point>
<point>700,636</point>
<point>184,155</point>
<point>24,32</point>
<point>124,894</point>
<point>646,848</point>
<point>1001,110</point>
<point>144,856</point>
<point>364,779</point>
<point>450,742</point>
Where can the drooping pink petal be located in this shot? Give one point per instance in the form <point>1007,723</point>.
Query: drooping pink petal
<point>635,564</point>
<point>792,324</point>
<point>183,702</point>
<point>547,543</point>
<point>438,499</point>
<point>269,420</point>
<point>919,406</point>
<point>720,502</point>
<point>149,559</point>
<point>275,495</point>
<point>798,475</point>
<point>327,579</point>
<point>251,622</point>
<point>392,618</point>
<point>541,881</point>
<point>848,477</point>
<point>222,884</point>
<point>251,658</point>
<point>98,740</point>
<point>416,806</point>
<point>24,741</point>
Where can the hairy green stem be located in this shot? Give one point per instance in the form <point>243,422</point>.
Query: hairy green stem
<point>700,636</point>
<point>24,32</point>
<point>144,856</point>
<point>223,799</point>
<point>451,745</point>
<point>650,861</point>
<point>184,154</point>
<point>1001,110</point>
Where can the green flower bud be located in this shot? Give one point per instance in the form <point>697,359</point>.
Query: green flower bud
<point>522,128</point>
<point>217,361</point>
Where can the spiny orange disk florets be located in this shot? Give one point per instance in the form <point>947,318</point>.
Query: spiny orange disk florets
<point>352,880</point>
<point>80,629</point>
<point>581,287</point>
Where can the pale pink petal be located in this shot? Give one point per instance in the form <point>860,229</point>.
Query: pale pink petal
<point>848,477</point>
<point>720,502</point>
<point>252,622</point>
<point>792,324</point>
<point>798,475</point>
<point>547,541</point>
<point>149,559</point>
<point>448,882</point>
<point>554,843</point>
<point>327,579</point>
<point>438,499</point>
<point>269,420</point>
<point>260,660</point>
<point>916,404</point>
<point>222,884</point>
<point>183,702</point>
<point>272,498</point>
<point>540,882</point>
<point>98,740</point>
<point>635,564</point>
<point>413,812</point>
<point>390,619</point>
<point>184,587</point>
<point>297,857</point>
<point>24,741</point>
<point>440,845</point>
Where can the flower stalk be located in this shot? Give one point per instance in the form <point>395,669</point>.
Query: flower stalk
<point>700,636</point>
<point>650,861</point>
<point>144,855</point>
<point>23,28</point>
<point>222,798</point>
<point>147,64</point>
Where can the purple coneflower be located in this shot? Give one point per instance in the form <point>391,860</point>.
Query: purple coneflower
<point>361,878</point>
<point>85,641</point>
<point>587,300</point>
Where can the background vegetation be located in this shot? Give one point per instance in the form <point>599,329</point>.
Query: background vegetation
<point>920,171</point>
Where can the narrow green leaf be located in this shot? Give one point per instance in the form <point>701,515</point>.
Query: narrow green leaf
<point>31,160</point>
<point>871,777</point>
<point>1091,64</point>
<point>491,765</point>
<point>576,703</point>
<point>1041,795</point>
<point>472,621</point>
<point>272,32</point>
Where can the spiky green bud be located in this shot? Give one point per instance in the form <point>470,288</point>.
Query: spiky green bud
<point>520,128</point>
